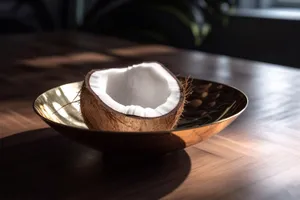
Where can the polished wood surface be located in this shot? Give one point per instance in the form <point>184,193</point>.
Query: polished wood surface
<point>256,157</point>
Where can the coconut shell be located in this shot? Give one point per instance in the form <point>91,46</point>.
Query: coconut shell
<point>98,116</point>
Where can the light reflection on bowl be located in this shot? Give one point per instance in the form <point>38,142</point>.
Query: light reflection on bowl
<point>60,108</point>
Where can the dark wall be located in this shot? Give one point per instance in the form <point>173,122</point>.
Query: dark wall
<point>17,16</point>
<point>269,39</point>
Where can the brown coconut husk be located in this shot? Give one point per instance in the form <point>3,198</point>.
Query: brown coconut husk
<point>98,116</point>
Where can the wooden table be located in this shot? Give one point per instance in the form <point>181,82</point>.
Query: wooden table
<point>257,157</point>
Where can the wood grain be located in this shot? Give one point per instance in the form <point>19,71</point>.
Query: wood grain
<point>255,158</point>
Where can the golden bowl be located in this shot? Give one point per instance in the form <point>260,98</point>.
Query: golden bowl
<point>211,107</point>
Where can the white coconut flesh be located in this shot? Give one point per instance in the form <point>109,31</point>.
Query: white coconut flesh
<point>145,90</point>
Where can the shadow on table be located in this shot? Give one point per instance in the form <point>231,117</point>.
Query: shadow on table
<point>41,164</point>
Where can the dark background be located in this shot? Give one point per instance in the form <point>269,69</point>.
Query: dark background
<point>262,30</point>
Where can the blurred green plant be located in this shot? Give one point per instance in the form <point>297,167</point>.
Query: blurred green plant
<point>182,23</point>
<point>216,11</point>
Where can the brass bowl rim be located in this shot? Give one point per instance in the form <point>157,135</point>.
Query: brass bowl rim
<point>143,132</point>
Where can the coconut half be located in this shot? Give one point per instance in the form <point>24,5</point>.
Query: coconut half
<point>142,97</point>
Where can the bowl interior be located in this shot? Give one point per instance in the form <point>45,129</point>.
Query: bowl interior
<point>210,102</point>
